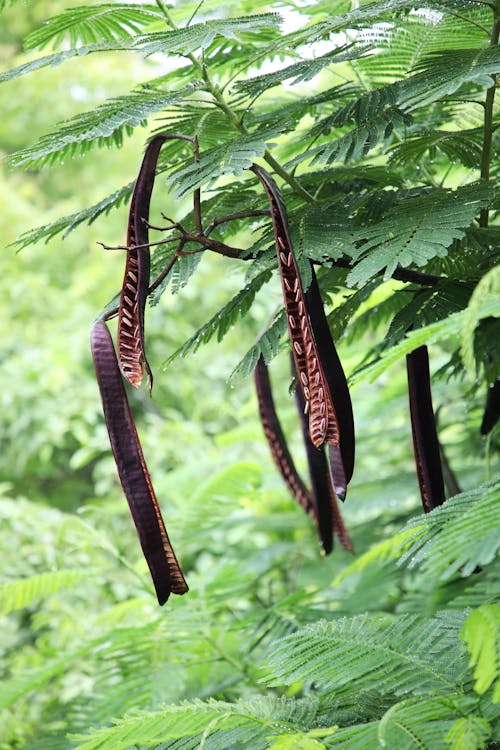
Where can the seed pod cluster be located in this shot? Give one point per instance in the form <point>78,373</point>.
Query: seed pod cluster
<point>321,379</point>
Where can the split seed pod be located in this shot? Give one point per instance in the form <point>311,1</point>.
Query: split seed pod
<point>323,425</point>
<point>132,470</point>
<point>341,455</point>
<point>326,509</point>
<point>423,426</point>
<point>131,352</point>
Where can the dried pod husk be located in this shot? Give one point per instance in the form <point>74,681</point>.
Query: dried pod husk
<point>131,351</point>
<point>326,508</point>
<point>341,455</point>
<point>492,408</point>
<point>323,425</point>
<point>424,432</point>
<point>132,470</point>
<point>277,441</point>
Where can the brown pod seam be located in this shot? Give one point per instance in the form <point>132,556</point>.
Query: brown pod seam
<point>342,470</point>
<point>327,513</point>
<point>424,433</point>
<point>131,351</point>
<point>318,402</point>
<point>277,441</point>
<point>132,470</point>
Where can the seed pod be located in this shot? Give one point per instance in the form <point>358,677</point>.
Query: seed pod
<point>132,470</point>
<point>492,408</point>
<point>276,439</point>
<point>131,352</point>
<point>423,426</point>
<point>326,509</point>
<point>341,457</point>
<point>323,425</point>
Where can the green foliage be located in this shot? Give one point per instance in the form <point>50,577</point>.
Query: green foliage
<point>375,119</point>
<point>481,632</point>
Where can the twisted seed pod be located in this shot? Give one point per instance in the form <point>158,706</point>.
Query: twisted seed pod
<point>276,439</point>
<point>341,456</point>
<point>423,427</point>
<point>132,470</point>
<point>131,352</point>
<point>318,402</point>
<point>326,509</point>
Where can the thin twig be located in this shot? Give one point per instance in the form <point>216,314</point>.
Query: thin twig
<point>232,217</point>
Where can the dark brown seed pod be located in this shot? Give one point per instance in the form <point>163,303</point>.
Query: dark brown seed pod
<point>132,470</point>
<point>326,509</point>
<point>423,426</point>
<point>492,408</point>
<point>276,440</point>
<point>131,352</point>
<point>323,424</point>
<point>341,456</point>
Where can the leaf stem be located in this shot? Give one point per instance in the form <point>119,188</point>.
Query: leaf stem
<point>488,118</point>
<point>216,92</point>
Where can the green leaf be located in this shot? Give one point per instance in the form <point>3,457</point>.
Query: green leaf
<point>400,655</point>
<point>448,328</point>
<point>481,632</point>
<point>103,126</point>
<point>58,58</point>
<point>470,733</point>
<point>487,292</point>
<point>232,158</point>
<point>28,591</point>
<point>187,40</point>
<point>417,230</point>
<point>224,319</point>
<point>267,344</point>
<point>92,24</point>
<point>67,224</point>
<point>457,537</point>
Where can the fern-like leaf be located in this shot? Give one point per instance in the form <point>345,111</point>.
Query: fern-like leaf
<point>211,724</point>
<point>373,653</point>
<point>448,328</point>
<point>222,321</point>
<point>481,632</point>
<point>103,126</point>
<point>92,24</point>
<point>458,536</point>
<point>233,157</point>
<point>412,724</point>
<point>267,345</point>
<point>67,224</point>
<point>28,591</point>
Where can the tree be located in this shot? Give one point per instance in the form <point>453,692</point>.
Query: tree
<point>378,122</point>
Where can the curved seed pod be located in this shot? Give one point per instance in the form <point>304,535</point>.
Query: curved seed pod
<point>326,509</point>
<point>132,470</point>
<point>341,456</point>
<point>492,408</point>
<point>276,439</point>
<point>131,352</point>
<point>423,427</point>
<point>323,425</point>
